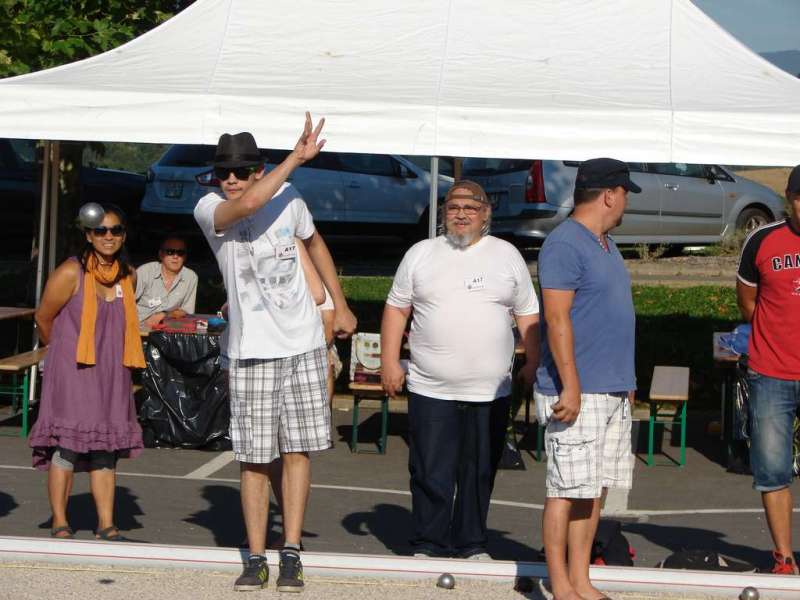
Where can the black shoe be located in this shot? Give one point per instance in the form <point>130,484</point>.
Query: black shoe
<point>290,577</point>
<point>254,577</point>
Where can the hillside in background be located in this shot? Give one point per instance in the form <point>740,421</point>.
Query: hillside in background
<point>788,60</point>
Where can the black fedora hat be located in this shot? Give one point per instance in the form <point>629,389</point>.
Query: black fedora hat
<point>238,150</point>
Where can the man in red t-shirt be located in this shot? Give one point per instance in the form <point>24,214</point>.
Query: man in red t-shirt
<point>768,292</point>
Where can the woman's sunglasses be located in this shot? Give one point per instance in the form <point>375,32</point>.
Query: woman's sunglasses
<point>241,173</point>
<point>174,251</point>
<point>116,230</point>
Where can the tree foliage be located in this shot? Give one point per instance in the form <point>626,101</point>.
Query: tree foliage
<point>38,34</point>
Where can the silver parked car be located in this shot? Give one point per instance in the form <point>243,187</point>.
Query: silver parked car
<point>346,193</point>
<point>679,203</point>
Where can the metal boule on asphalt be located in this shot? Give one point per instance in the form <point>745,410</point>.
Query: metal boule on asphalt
<point>446,581</point>
<point>91,215</point>
<point>749,593</point>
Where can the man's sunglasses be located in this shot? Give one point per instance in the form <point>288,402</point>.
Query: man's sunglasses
<point>241,173</point>
<point>174,251</point>
<point>116,230</point>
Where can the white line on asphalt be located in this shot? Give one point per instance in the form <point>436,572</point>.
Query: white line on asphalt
<point>212,466</point>
<point>348,488</point>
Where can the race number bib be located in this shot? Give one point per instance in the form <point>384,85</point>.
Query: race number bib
<point>475,283</point>
<point>286,251</point>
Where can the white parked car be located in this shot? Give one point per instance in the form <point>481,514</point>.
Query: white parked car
<point>346,193</point>
<point>679,203</point>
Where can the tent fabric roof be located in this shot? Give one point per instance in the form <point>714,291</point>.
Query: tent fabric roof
<point>649,81</point>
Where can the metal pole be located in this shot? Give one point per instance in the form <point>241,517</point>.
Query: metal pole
<point>41,250</point>
<point>54,177</point>
<point>434,197</point>
<point>43,203</point>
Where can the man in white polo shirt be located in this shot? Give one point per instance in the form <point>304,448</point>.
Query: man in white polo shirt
<point>464,287</point>
<point>274,341</point>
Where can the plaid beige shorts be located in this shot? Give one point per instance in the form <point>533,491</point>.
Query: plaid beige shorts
<point>592,453</point>
<point>279,405</point>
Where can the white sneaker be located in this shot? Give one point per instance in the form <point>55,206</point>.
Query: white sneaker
<point>479,556</point>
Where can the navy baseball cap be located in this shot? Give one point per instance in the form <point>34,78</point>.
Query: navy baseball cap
<point>604,173</point>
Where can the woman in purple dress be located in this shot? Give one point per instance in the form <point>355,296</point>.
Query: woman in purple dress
<point>87,419</point>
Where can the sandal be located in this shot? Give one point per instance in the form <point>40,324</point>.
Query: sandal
<point>110,534</point>
<point>56,532</point>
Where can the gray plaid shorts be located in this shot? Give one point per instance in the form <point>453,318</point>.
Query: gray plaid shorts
<point>592,453</point>
<point>279,405</point>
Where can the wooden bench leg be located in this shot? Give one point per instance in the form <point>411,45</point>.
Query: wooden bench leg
<point>26,382</point>
<point>683,433</point>
<point>651,434</point>
<point>354,434</point>
<point>384,424</point>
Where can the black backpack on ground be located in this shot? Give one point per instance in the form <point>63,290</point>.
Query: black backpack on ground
<point>610,547</point>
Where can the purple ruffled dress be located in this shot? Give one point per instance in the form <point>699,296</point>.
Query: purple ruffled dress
<point>82,407</point>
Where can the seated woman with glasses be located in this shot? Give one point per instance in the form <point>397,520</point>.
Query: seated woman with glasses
<point>166,287</point>
<point>87,419</point>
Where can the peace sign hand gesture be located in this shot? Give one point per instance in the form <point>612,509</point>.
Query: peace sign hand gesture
<point>307,147</point>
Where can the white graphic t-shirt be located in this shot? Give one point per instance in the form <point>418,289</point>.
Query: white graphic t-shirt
<point>271,311</point>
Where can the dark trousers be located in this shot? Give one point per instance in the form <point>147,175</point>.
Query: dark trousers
<point>454,450</point>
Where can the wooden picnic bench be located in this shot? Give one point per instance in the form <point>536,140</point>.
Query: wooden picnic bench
<point>670,385</point>
<point>19,368</point>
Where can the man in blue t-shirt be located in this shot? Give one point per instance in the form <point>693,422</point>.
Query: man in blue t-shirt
<point>586,373</point>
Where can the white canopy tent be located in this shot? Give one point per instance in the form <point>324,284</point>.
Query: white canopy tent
<point>652,80</point>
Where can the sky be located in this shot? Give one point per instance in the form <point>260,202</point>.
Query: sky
<point>763,25</point>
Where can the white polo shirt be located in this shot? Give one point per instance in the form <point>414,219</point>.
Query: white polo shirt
<point>271,311</point>
<point>462,344</point>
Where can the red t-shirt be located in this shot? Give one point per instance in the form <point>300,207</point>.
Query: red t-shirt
<point>770,261</point>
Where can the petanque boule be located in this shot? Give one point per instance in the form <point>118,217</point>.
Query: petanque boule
<point>90,215</point>
<point>446,581</point>
<point>749,593</point>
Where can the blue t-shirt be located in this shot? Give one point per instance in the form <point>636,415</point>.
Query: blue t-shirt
<point>603,319</point>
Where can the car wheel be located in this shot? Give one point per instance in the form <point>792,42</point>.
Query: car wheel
<point>752,218</point>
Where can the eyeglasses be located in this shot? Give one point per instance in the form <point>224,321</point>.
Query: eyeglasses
<point>470,210</point>
<point>241,173</point>
<point>174,251</point>
<point>116,230</point>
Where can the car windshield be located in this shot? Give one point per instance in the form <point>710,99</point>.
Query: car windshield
<point>25,151</point>
<point>188,155</point>
<point>494,166</point>
<point>424,162</point>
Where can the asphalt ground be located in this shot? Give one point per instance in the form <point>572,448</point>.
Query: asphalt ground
<point>360,502</point>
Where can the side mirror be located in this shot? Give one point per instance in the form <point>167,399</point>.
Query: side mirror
<point>709,173</point>
<point>403,172</point>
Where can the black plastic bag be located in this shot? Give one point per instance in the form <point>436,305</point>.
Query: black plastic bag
<point>610,546</point>
<point>705,560</point>
<point>184,397</point>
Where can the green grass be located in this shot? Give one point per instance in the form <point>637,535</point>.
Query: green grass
<point>674,326</point>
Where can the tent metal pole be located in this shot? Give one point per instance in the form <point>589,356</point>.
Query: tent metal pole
<point>40,252</point>
<point>43,204</point>
<point>432,202</point>
<point>54,177</point>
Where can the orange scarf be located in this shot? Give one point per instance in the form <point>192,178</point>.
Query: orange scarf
<point>132,355</point>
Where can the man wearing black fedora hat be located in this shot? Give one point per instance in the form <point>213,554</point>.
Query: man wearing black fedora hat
<point>586,375</point>
<point>274,341</point>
